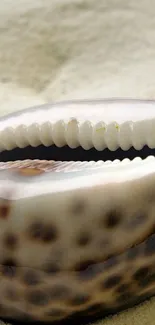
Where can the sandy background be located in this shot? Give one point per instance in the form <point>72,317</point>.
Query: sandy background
<point>61,49</point>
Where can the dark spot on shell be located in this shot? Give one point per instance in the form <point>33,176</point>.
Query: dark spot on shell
<point>79,299</point>
<point>112,219</point>
<point>124,297</point>
<point>90,272</point>
<point>41,232</point>
<point>52,268</point>
<point>152,232</point>
<point>141,273</point>
<point>36,230</point>
<point>78,207</point>
<point>10,241</point>
<point>84,266</point>
<point>8,267</point>
<point>50,234</point>
<point>88,269</point>
<point>31,278</point>
<point>84,239</point>
<point>59,292</point>
<point>38,298</point>
<point>144,282</point>
<point>123,288</point>
<point>112,281</point>
<point>150,245</point>
<point>4,210</point>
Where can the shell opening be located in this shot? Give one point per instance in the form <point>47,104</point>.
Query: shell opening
<point>68,154</point>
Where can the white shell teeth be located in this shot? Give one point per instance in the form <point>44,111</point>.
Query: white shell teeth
<point>58,133</point>
<point>76,134</point>
<point>47,127</point>
<point>150,133</point>
<point>71,134</point>
<point>33,135</point>
<point>46,134</point>
<point>20,135</point>
<point>8,138</point>
<point>85,135</point>
<point>124,135</point>
<point>138,135</point>
<point>98,136</point>
<point>111,136</point>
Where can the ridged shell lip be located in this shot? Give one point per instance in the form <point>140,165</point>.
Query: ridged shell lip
<point>95,129</point>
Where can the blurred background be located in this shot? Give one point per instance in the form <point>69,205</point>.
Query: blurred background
<point>63,49</point>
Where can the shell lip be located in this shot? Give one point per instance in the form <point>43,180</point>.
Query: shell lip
<point>73,139</point>
<point>88,101</point>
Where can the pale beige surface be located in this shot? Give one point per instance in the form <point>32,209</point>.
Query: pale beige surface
<point>63,49</point>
